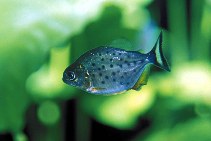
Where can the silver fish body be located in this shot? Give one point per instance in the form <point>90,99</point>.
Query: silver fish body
<point>108,70</point>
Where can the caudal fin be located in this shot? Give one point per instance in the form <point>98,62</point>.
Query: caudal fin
<point>156,54</point>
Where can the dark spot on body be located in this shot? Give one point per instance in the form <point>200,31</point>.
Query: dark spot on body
<point>93,64</point>
<point>128,64</point>
<point>113,73</point>
<point>111,59</point>
<point>126,61</point>
<point>118,71</point>
<point>99,69</point>
<point>102,59</point>
<point>121,83</point>
<point>114,80</point>
<point>100,54</point>
<point>93,75</point>
<point>128,83</point>
<point>100,74</point>
<point>114,53</point>
<point>134,70</point>
<point>120,65</point>
<point>122,76</point>
<point>106,77</point>
<point>119,53</point>
<point>103,67</point>
<point>107,52</point>
<point>125,73</point>
<point>121,59</point>
<point>103,82</point>
<point>128,56</point>
<point>111,66</point>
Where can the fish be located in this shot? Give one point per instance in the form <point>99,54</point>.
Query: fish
<point>108,70</point>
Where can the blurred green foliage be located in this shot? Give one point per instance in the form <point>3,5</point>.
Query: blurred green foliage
<point>120,111</point>
<point>39,39</point>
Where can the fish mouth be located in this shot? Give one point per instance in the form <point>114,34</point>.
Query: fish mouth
<point>65,78</point>
<point>66,81</point>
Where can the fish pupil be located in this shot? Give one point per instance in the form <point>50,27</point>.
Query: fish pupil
<point>71,75</point>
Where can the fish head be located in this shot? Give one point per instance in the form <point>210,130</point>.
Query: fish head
<point>75,75</point>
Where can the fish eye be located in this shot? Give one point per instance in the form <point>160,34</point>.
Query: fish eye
<point>71,75</point>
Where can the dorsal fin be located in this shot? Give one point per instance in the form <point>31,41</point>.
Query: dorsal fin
<point>142,79</point>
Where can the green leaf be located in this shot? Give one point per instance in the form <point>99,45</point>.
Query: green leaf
<point>120,111</point>
<point>195,130</point>
<point>28,30</point>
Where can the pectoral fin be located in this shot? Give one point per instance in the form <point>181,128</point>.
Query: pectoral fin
<point>142,79</point>
<point>94,90</point>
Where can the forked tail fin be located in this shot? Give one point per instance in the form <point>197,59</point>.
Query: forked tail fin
<point>156,55</point>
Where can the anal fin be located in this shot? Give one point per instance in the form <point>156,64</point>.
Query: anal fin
<point>142,79</point>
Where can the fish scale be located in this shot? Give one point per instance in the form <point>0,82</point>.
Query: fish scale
<point>109,70</point>
<point>104,78</point>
